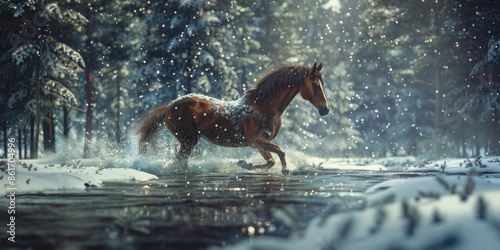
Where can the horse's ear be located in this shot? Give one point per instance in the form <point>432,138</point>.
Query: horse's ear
<point>319,67</point>
<point>313,69</point>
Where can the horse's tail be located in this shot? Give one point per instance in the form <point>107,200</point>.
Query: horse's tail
<point>151,123</point>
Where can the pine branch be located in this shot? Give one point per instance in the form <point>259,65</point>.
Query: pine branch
<point>436,217</point>
<point>101,74</point>
<point>481,208</point>
<point>411,214</point>
<point>469,187</point>
<point>379,220</point>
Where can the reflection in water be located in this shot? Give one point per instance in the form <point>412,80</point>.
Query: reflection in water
<point>186,212</point>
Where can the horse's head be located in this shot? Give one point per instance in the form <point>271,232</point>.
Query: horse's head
<point>313,91</point>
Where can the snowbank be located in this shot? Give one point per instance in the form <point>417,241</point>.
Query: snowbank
<point>487,164</point>
<point>33,176</point>
<point>449,212</point>
<point>430,187</point>
<point>343,164</point>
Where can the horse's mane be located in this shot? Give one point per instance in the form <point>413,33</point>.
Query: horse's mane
<point>284,76</point>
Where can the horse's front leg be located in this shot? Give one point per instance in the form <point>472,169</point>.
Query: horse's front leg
<point>269,159</point>
<point>264,146</point>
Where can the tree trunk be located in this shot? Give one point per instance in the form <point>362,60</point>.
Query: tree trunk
<point>477,147</point>
<point>118,116</point>
<point>19,142</point>
<point>267,46</point>
<point>49,142</point>
<point>438,129</point>
<point>33,149</point>
<point>88,89</point>
<point>25,143</point>
<point>493,140</point>
<point>65,121</point>
<point>4,132</point>
<point>439,103</point>
<point>495,135</point>
<point>38,76</point>
<point>89,113</point>
<point>189,66</point>
<point>244,81</point>
<point>464,148</point>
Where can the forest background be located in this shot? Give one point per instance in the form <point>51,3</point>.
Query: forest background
<point>402,77</point>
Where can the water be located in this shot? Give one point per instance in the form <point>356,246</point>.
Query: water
<point>186,212</point>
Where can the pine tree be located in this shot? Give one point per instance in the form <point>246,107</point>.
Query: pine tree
<point>410,46</point>
<point>477,101</point>
<point>35,51</point>
<point>195,46</point>
<point>110,39</point>
<point>303,33</point>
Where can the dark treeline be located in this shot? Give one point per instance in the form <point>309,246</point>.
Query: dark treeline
<point>403,77</point>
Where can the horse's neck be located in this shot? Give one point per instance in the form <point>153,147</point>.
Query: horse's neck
<point>280,103</point>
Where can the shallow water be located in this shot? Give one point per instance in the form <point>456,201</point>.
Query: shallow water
<point>187,212</point>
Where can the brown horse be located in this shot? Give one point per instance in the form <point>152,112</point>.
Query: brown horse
<point>254,120</point>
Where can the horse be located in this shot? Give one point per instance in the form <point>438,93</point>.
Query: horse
<point>251,121</point>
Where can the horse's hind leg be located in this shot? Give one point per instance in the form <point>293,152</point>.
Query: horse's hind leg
<point>183,127</point>
<point>182,158</point>
<point>188,140</point>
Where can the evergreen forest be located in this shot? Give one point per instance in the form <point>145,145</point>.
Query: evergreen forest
<point>415,78</point>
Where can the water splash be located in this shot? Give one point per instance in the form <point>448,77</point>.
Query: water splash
<point>209,159</point>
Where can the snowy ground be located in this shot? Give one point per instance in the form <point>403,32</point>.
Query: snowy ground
<point>459,211</point>
<point>460,166</point>
<point>458,208</point>
<point>34,176</point>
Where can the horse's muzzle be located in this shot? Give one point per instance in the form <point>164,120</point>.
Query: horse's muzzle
<point>323,110</point>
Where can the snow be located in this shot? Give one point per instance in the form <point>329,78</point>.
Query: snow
<point>428,187</point>
<point>431,212</point>
<point>35,176</point>
<point>456,211</point>
<point>458,226</point>
<point>490,59</point>
<point>235,111</point>
<point>488,164</point>
<point>343,164</point>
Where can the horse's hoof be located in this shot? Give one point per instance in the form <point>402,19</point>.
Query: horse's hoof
<point>245,165</point>
<point>285,171</point>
